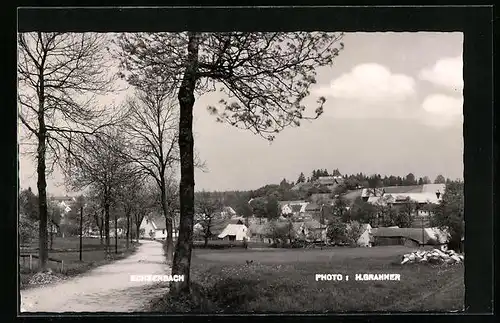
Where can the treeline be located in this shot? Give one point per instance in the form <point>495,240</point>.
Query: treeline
<point>361,180</point>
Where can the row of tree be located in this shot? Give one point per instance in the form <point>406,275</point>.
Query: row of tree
<point>354,181</point>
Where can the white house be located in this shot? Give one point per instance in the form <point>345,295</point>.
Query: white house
<point>235,232</point>
<point>293,207</point>
<point>154,227</point>
<point>365,238</point>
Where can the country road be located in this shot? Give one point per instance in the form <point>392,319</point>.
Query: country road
<point>104,289</point>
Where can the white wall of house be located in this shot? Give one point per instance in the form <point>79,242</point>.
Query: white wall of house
<point>149,227</point>
<point>364,239</point>
<point>239,230</point>
<point>286,209</point>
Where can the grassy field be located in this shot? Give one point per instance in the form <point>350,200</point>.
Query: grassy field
<point>72,243</point>
<point>284,281</point>
<point>66,249</point>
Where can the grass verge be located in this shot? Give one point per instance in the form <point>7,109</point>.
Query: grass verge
<point>72,264</point>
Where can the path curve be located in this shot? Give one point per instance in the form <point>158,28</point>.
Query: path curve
<point>104,289</point>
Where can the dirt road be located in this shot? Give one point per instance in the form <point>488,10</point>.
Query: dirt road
<point>105,289</point>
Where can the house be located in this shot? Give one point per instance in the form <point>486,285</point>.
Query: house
<point>217,227</point>
<point>227,212</point>
<point>315,231</point>
<point>292,207</point>
<point>235,232</point>
<point>154,226</point>
<point>411,237</point>
<point>399,195</point>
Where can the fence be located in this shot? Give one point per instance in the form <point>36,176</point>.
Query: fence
<point>31,257</point>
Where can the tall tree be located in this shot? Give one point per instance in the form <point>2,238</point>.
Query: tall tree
<point>449,213</point>
<point>406,213</point>
<point>409,179</point>
<point>272,208</point>
<point>426,180</point>
<point>152,136</point>
<point>59,75</point>
<point>208,205</point>
<point>440,179</point>
<point>264,76</point>
<point>301,178</point>
<point>28,204</point>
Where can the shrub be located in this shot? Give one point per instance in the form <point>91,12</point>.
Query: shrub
<point>353,232</point>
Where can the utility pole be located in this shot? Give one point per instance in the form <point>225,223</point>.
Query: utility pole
<point>81,230</point>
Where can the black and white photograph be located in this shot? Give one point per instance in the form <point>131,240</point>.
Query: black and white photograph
<point>240,172</point>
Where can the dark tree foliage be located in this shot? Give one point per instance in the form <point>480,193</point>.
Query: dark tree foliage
<point>449,214</point>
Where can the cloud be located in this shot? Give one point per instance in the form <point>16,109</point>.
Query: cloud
<point>446,72</point>
<point>370,82</point>
<point>441,110</point>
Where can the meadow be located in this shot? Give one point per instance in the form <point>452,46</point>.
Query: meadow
<point>283,280</point>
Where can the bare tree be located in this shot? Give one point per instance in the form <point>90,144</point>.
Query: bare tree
<point>208,205</point>
<point>59,76</point>
<point>97,165</point>
<point>153,135</point>
<point>147,201</point>
<point>264,77</point>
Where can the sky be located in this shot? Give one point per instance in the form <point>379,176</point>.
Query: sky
<point>394,106</point>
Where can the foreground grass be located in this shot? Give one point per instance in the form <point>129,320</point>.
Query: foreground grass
<point>72,264</point>
<point>223,287</point>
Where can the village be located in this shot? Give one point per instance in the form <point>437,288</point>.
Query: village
<point>306,221</point>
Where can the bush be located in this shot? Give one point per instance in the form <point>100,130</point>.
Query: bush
<point>336,230</point>
<point>27,229</point>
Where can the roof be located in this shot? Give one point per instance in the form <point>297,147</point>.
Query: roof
<point>229,210</point>
<point>312,207</point>
<point>232,230</point>
<point>296,207</point>
<point>158,221</point>
<point>218,225</point>
<point>329,180</point>
<point>425,188</point>
<point>352,195</point>
<point>313,224</point>
<point>411,233</point>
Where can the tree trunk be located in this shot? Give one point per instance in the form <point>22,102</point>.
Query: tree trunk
<point>138,228</point>
<point>43,252</point>
<point>101,230</point>
<point>51,235</point>
<point>182,255</point>
<point>116,233</point>
<point>128,229</point>
<point>207,232</point>
<point>106,227</point>
<point>169,242</point>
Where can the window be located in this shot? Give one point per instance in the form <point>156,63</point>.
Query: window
<point>163,231</point>
<point>147,221</point>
